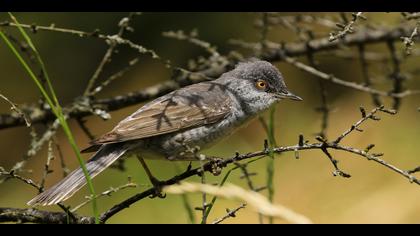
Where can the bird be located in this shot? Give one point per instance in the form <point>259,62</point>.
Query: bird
<point>198,115</point>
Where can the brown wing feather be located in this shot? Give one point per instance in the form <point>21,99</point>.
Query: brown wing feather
<point>191,106</point>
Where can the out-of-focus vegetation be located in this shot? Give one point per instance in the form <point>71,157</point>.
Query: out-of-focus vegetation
<point>372,195</point>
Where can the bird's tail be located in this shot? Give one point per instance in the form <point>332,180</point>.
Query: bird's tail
<point>64,189</point>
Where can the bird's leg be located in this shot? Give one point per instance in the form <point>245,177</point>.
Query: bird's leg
<point>155,182</point>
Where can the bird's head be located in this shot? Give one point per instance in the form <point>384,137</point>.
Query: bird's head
<point>258,84</point>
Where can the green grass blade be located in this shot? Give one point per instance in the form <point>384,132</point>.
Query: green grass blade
<point>214,199</point>
<point>270,163</point>
<point>56,108</point>
<point>40,61</point>
<point>28,69</point>
<point>188,208</point>
<point>185,201</point>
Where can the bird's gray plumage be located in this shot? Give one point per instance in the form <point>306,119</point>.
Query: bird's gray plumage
<point>196,115</point>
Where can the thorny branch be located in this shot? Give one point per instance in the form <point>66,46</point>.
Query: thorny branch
<point>347,27</point>
<point>324,109</point>
<point>229,214</point>
<point>417,169</point>
<point>17,110</point>
<point>31,215</point>
<point>11,175</point>
<point>108,192</point>
<point>396,94</point>
<point>409,41</point>
<point>247,176</point>
<point>47,169</point>
<point>63,165</point>
<point>192,37</point>
<point>124,26</point>
<point>365,117</point>
<point>410,16</point>
<point>396,76</point>
<point>365,73</point>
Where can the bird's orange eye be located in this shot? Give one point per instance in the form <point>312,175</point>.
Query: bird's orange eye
<point>261,84</point>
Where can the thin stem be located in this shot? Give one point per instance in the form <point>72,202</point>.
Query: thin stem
<point>229,214</point>
<point>186,202</point>
<point>204,195</point>
<point>353,85</point>
<point>56,108</point>
<point>270,161</point>
<point>124,22</point>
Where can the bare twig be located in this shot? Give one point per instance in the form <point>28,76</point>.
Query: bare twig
<point>32,215</point>
<point>324,108</point>
<point>368,83</point>
<point>365,117</point>
<point>83,34</point>
<point>11,175</point>
<point>37,144</point>
<point>47,169</point>
<point>229,214</point>
<point>192,37</point>
<point>415,170</point>
<point>411,16</point>
<point>291,21</point>
<point>347,27</point>
<point>17,110</point>
<point>108,192</point>
<point>409,41</point>
<point>63,165</point>
<point>397,77</point>
<point>123,26</point>
<point>204,205</point>
<point>337,171</point>
<point>85,129</point>
<point>362,36</point>
<point>353,85</point>
<point>247,176</point>
<point>264,32</point>
<point>115,76</point>
<point>185,200</point>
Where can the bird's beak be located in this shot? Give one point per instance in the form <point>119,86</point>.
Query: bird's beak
<point>288,95</point>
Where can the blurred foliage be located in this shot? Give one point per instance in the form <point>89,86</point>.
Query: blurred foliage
<point>372,195</point>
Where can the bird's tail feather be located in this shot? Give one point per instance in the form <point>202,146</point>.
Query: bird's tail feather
<point>64,189</point>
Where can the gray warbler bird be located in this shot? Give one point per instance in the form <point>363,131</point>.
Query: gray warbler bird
<point>195,115</point>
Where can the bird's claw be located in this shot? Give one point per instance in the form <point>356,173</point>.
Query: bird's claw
<point>158,194</point>
<point>158,188</point>
<point>216,168</point>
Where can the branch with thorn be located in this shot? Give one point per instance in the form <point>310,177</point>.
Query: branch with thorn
<point>347,27</point>
<point>409,41</point>
<point>229,214</point>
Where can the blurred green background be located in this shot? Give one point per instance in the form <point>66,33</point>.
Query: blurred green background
<point>373,194</point>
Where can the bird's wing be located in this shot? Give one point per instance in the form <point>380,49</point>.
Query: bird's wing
<point>191,106</point>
